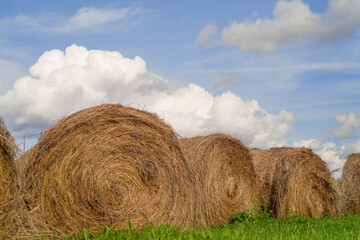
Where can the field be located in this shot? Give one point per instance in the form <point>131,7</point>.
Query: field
<point>245,225</point>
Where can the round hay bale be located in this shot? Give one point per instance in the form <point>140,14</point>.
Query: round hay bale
<point>8,151</point>
<point>296,180</point>
<point>105,165</point>
<point>225,180</point>
<point>350,183</point>
<point>7,155</point>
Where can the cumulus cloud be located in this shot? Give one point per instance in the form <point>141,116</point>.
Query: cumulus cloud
<point>349,125</point>
<point>341,21</point>
<point>86,19</point>
<point>292,23</point>
<point>63,82</point>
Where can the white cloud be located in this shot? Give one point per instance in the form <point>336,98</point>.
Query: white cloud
<point>349,126</point>
<point>334,157</point>
<point>293,23</point>
<point>205,36</point>
<point>312,143</point>
<point>86,19</point>
<point>352,147</point>
<point>332,154</point>
<point>90,18</point>
<point>230,112</point>
<point>63,82</point>
<point>24,20</point>
<point>341,21</point>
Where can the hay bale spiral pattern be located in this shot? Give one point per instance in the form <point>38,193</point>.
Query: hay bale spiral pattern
<point>225,179</point>
<point>350,184</point>
<point>103,166</point>
<point>296,180</point>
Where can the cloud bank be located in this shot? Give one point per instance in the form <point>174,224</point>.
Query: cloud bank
<point>292,23</point>
<point>60,83</point>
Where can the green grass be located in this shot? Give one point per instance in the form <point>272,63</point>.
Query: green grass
<point>245,225</point>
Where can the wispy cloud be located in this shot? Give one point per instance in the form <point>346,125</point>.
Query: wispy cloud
<point>89,18</point>
<point>85,20</point>
<point>205,37</point>
<point>329,66</point>
<point>293,23</point>
<point>222,80</point>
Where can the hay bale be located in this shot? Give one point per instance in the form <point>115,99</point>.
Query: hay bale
<point>8,152</point>
<point>103,166</point>
<point>225,180</point>
<point>296,180</point>
<point>7,155</point>
<point>350,183</point>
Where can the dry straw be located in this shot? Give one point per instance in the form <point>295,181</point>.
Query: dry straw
<point>103,166</point>
<point>7,155</point>
<point>8,151</point>
<point>296,180</point>
<point>350,183</point>
<point>225,180</point>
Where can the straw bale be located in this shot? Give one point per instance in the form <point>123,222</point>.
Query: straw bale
<point>296,180</point>
<point>8,152</point>
<point>104,165</point>
<point>350,183</point>
<point>225,180</point>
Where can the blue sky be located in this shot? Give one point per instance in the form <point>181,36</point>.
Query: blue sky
<point>272,73</point>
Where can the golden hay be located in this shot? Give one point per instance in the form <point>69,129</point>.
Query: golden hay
<point>296,180</point>
<point>350,183</point>
<point>7,155</point>
<point>225,180</point>
<point>8,151</point>
<point>103,166</point>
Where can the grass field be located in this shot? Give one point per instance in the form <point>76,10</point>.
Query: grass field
<point>244,226</point>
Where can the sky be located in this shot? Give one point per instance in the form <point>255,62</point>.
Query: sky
<point>269,72</point>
